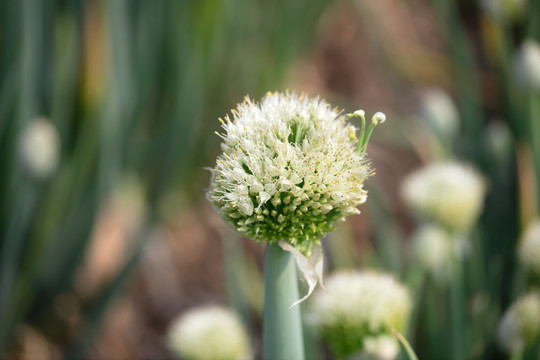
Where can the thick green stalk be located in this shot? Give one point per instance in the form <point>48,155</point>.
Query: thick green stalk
<point>282,327</point>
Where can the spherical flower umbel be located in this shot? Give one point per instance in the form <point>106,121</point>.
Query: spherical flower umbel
<point>520,324</point>
<point>449,194</point>
<point>529,249</point>
<point>291,168</point>
<point>209,333</point>
<point>356,309</point>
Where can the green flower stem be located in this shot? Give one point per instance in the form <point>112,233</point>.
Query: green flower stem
<point>282,328</point>
<point>458,310</point>
<point>411,355</point>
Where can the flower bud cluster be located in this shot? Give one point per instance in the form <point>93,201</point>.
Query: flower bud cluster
<point>209,333</point>
<point>359,307</point>
<point>291,168</point>
<point>449,194</point>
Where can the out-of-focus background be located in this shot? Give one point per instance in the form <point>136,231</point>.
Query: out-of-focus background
<point>107,117</point>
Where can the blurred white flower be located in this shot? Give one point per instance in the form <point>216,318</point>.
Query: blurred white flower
<point>499,141</point>
<point>209,333</point>
<point>433,251</point>
<point>504,9</point>
<point>526,65</point>
<point>39,148</point>
<point>450,194</point>
<point>529,249</point>
<point>520,324</point>
<point>384,347</point>
<point>357,311</point>
<point>440,112</point>
<point>291,168</point>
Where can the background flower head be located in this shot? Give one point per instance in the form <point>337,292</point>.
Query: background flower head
<point>520,324</point>
<point>358,307</point>
<point>449,194</point>
<point>209,333</point>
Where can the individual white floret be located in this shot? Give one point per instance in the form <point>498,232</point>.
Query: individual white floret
<point>209,333</point>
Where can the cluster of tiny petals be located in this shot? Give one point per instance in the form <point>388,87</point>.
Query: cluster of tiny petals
<point>357,306</point>
<point>450,194</point>
<point>289,170</point>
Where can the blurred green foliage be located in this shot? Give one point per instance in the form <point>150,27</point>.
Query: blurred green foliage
<point>132,87</point>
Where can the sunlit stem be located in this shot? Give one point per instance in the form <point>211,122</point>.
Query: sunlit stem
<point>366,137</point>
<point>362,115</point>
<point>408,348</point>
<point>282,325</point>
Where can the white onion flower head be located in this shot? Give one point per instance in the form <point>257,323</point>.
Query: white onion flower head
<point>433,250</point>
<point>291,168</point>
<point>529,249</point>
<point>520,324</point>
<point>39,148</point>
<point>440,112</point>
<point>526,65</point>
<point>209,333</point>
<point>358,306</point>
<point>450,194</point>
